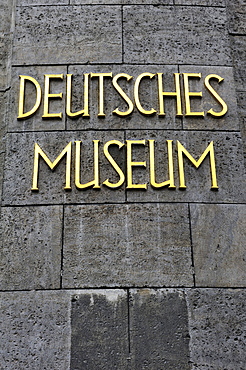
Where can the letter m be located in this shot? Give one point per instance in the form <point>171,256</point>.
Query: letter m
<point>38,152</point>
<point>209,150</point>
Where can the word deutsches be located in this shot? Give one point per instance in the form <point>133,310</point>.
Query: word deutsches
<point>181,94</point>
<point>130,164</point>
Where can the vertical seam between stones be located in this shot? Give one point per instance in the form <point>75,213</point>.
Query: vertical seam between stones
<point>128,310</point>
<point>191,245</point>
<point>62,242</point>
<point>122,35</point>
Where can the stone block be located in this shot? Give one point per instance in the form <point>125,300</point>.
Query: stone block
<point>99,322</point>
<point>159,329</point>
<point>219,256</point>
<point>19,168</point>
<point>241,99</point>
<point>30,247</point>
<point>182,35</point>
<point>148,97</point>
<point>228,160</point>
<point>41,2</point>
<point>217,328</point>
<point>35,330</point>
<point>6,8</point>
<point>225,89</point>
<point>127,245</point>
<point>3,98</point>
<point>44,35</point>
<point>237,16</point>
<point>36,122</point>
<point>220,3</point>
<point>239,54</point>
<point>122,2</point>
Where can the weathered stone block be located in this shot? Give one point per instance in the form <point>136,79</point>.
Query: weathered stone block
<point>35,122</point>
<point>238,44</point>
<point>30,248</point>
<point>159,329</point>
<point>35,330</point>
<point>41,2</point>
<point>44,35</point>
<point>201,2</point>
<point>182,34</point>
<point>3,98</point>
<point>19,168</point>
<point>237,16</point>
<point>148,97</point>
<point>241,99</point>
<point>6,8</point>
<point>228,159</point>
<point>127,245</point>
<point>219,255</point>
<point>123,2</point>
<point>225,89</point>
<point>99,321</point>
<point>217,328</point>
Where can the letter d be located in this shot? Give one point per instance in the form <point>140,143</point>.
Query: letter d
<point>21,113</point>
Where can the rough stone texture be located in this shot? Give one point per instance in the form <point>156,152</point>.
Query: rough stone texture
<point>123,2</point>
<point>35,330</point>
<point>19,168</point>
<point>182,34</point>
<point>41,2</point>
<point>159,329</point>
<point>237,16</point>
<point>226,90</point>
<point>219,256</point>
<point>44,34</point>
<point>35,122</point>
<point>201,2</point>
<point>127,245</point>
<point>229,167</point>
<point>30,253</point>
<point>148,97</point>
<point>217,328</point>
<point>99,321</point>
<point>2,133</point>
<point>238,44</point>
<point>6,8</point>
<point>241,98</point>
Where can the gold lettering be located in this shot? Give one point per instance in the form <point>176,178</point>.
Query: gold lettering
<point>169,182</point>
<point>176,94</point>
<point>123,94</point>
<point>95,182</point>
<point>130,164</point>
<point>216,95</point>
<point>39,152</point>
<point>48,96</point>
<point>114,164</point>
<point>210,150</point>
<point>21,113</point>
<point>188,94</point>
<point>136,94</point>
<point>101,90</point>
<point>84,112</point>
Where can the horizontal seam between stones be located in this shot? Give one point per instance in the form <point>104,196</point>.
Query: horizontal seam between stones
<point>122,130</point>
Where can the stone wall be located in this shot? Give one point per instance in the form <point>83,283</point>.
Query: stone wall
<point>122,278</point>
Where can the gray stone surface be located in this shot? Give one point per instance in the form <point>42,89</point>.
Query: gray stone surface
<point>123,2</point>
<point>225,89</point>
<point>99,321</point>
<point>182,34</point>
<point>127,245</point>
<point>238,44</point>
<point>35,330</point>
<point>159,329</point>
<point>35,122</point>
<point>201,2</point>
<point>219,255</point>
<point>241,98</point>
<point>217,328</point>
<point>44,35</point>
<point>19,169</point>
<point>6,8</point>
<point>30,253</point>
<point>229,167</point>
<point>3,98</point>
<point>237,16</point>
<point>148,97</point>
<point>41,2</point>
